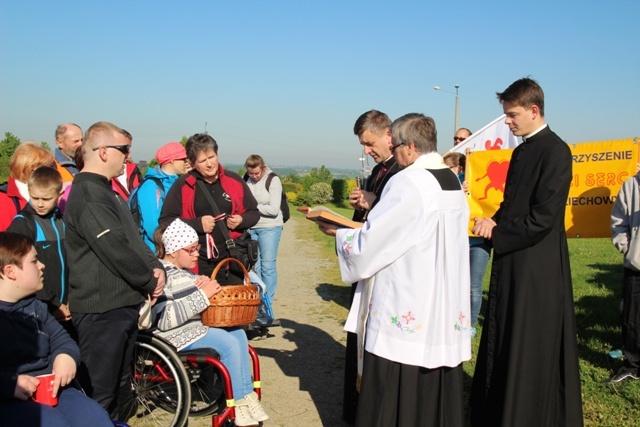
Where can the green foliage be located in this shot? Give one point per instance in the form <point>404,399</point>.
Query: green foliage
<point>320,193</point>
<point>315,176</point>
<point>291,177</point>
<point>45,145</point>
<point>340,190</point>
<point>242,171</point>
<point>292,197</point>
<point>7,146</point>
<point>291,187</point>
<point>152,163</point>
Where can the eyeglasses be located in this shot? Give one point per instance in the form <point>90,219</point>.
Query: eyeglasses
<point>459,138</point>
<point>393,147</point>
<point>192,251</point>
<point>124,149</point>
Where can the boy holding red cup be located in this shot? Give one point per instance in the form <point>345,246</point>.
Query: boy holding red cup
<point>35,344</point>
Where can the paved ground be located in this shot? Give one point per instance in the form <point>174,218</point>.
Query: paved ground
<point>302,361</point>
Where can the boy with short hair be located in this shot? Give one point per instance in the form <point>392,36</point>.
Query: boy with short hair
<point>35,344</point>
<point>41,220</point>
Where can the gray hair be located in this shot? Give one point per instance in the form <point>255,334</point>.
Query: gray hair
<point>417,129</point>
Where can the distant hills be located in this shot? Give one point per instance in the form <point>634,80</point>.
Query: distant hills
<point>300,170</point>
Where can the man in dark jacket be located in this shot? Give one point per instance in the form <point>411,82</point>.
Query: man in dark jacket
<point>527,371</point>
<point>111,269</point>
<point>373,131</point>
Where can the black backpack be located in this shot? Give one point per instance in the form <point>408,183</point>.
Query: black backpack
<point>134,205</point>
<point>284,203</point>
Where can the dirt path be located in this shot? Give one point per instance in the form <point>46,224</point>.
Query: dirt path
<point>302,362</point>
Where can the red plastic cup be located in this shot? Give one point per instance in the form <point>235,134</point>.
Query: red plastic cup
<point>44,392</point>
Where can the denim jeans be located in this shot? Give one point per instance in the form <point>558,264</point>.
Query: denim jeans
<point>268,241</point>
<point>74,409</point>
<point>478,259</point>
<point>233,348</point>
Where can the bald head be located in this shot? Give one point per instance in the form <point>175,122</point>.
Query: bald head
<point>68,138</point>
<point>461,135</point>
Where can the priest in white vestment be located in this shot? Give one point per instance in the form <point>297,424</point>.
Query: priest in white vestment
<point>411,309</point>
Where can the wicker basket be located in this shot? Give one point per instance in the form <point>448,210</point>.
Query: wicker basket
<point>235,305</point>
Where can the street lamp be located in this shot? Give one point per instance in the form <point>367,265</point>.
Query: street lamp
<point>455,123</point>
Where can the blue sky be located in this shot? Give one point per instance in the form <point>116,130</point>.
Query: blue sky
<point>287,79</point>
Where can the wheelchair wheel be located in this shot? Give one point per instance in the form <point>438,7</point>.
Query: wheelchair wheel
<point>207,389</point>
<point>160,385</point>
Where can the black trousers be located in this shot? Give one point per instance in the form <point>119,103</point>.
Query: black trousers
<point>350,392</point>
<point>631,320</point>
<point>395,394</point>
<point>106,342</point>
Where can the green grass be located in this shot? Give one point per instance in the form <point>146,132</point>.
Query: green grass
<point>597,280</point>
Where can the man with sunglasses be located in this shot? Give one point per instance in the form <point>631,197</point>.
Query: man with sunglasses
<point>130,178</point>
<point>111,269</point>
<point>461,135</point>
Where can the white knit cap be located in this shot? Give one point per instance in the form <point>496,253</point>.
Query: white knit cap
<point>178,235</point>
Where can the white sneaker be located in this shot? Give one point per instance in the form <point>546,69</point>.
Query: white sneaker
<point>243,415</point>
<point>255,407</point>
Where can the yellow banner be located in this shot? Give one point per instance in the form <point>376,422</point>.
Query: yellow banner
<point>486,174</point>
<point>599,169</point>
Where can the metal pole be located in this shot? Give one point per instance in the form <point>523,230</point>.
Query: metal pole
<point>455,123</point>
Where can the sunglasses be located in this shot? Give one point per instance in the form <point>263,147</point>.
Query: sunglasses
<point>459,138</point>
<point>124,149</point>
<point>393,147</point>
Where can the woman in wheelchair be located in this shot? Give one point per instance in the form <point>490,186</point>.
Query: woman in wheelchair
<point>177,317</point>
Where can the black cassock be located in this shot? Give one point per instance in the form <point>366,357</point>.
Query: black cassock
<point>527,370</point>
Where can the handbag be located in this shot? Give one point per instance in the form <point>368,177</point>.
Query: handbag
<point>145,319</point>
<point>244,249</point>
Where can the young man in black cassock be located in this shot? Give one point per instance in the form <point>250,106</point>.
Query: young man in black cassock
<point>527,370</point>
<point>373,131</point>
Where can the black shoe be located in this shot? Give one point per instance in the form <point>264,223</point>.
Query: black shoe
<point>258,333</point>
<point>621,376</point>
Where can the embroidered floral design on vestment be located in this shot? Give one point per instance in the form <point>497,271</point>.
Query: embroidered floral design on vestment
<point>346,245</point>
<point>463,324</point>
<point>406,322</point>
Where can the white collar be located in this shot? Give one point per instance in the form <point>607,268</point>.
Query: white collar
<point>428,161</point>
<point>534,132</point>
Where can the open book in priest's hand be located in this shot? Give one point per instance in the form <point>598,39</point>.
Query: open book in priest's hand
<point>324,214</point>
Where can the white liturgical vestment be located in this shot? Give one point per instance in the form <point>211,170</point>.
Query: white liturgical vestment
<point>413,255</point>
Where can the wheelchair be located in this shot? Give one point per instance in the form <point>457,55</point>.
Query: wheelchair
<point>170,386</point>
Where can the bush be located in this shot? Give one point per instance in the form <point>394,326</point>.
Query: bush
<point>291,187</point>
<point>291,196</point>
<point>340,190</point>
<point>320,193</point>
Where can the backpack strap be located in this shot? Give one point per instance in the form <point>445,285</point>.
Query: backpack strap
<point>269,179</point>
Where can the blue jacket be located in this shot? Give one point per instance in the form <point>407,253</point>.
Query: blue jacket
<point>31,340</point>
<point>65,162</point>
<point>150,201</point>
<point>47,233</point>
